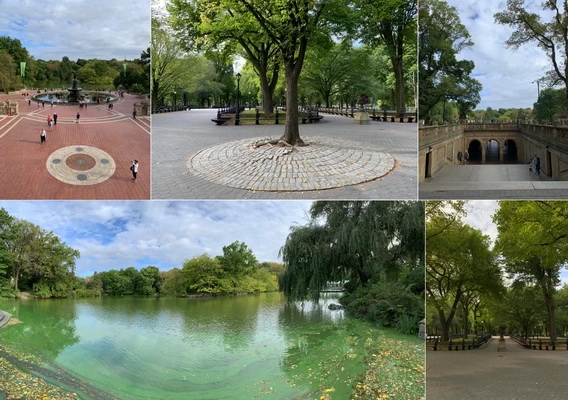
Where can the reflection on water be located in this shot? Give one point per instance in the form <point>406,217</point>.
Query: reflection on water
<point>212,348</point>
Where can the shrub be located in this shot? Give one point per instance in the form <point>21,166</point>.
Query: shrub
<point>387,304</point>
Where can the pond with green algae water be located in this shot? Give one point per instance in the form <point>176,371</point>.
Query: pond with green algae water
<point>243,347</point>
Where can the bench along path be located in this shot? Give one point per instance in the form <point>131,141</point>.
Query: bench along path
<point>4,318</point>
<point>511,373</point>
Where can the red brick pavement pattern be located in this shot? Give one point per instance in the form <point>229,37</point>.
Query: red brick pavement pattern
<point>22,158</point>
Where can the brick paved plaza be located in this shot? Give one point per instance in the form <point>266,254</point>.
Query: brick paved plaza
<point>513,374</point>
<point>185,140</point>
<point>89,160</point>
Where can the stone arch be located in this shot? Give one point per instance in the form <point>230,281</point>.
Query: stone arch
<point>475,151</point>
<point>510,151</point>
<point>493,151</point>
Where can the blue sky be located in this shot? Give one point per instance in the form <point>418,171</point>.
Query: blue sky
<point>87,29</point>
<point>506,74</point>
<point>480,214</point>
<point>120,234</point>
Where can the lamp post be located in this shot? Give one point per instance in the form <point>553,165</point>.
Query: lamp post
<point>537,88</point>
<point>175,98</point>
<point>238,90</point>
<point>250,101</point>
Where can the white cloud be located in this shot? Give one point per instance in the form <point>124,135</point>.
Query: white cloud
<point>506,74</point>
<point>121,234</point>
<point>102,29</point>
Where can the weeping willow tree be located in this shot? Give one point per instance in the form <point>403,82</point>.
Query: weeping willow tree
<point>363,243</point>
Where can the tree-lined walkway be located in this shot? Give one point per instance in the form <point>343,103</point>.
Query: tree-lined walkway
<point>486,373</point>
<point>179,136</point>
<point>25,163</point>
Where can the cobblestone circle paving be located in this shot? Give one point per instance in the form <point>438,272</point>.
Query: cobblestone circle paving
<point>60,165</point>
<point>325,163</point>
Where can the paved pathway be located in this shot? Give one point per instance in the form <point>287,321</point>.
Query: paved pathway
<point>510,181</point>
<point>513,374</point>
<point>178,136</point>
<point>25,164</point>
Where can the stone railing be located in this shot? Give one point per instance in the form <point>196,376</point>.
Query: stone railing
<point>428,135</point>
<point>491,126</point>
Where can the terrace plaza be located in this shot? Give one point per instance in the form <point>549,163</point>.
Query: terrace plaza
<point>193,158</point>
<point>498,164</point>
<point>503,370</point>
<point>86,160</point>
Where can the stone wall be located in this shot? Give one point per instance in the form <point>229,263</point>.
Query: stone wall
<point>439,145</point>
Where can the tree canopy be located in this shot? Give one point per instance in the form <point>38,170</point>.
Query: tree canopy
<point>365,245</point>
<point>443,77</point>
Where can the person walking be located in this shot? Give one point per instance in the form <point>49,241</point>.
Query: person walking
<point>532,165</point>
<point>134,114</point>
<point>537,166</point>
<point>78,117</point>
<point>42,136</point>
<point>54,118</point>
<point>466,156</point>
<point>29,102</point>
<point>50,123</point>
<point>134,169</point>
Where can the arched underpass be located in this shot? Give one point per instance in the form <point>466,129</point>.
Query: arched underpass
<point>510,152</point>
<point>492,151</point>
<point>475,153</point>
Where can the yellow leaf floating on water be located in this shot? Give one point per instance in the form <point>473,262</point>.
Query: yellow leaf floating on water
<point>329,390</point>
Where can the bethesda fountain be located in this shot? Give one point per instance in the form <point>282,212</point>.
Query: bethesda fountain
<point>73,96</point>
<point>74,91</point>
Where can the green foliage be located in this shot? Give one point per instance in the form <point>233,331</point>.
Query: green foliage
<point>547,30</point>
<point>393,24</point>
<point>387,304</point>
<point>238,259</point>
<point>542,252</point>
<point>173,283</point>
<point>460,267</point>
<point>235,272</point>
<point>551,102</point>
<point>443,77</point>
<point>360,242</point>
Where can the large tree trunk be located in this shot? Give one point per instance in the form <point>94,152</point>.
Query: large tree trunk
<point>399,93</point>
<point>444,325</point>
<point>267,104</point>
<point>292,131</point>
<point>549,302</point>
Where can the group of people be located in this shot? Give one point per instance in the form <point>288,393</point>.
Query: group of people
<point>463,156</point>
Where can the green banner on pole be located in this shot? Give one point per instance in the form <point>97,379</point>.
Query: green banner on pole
<point>22,69</point>
<point>124,69</point>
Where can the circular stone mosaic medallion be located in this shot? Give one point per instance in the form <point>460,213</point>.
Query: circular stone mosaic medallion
<point>80,165</point>
<point>326,163</point>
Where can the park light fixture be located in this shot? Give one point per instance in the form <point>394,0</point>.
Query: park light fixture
<point>238,91</point>
<point>175,98</point>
